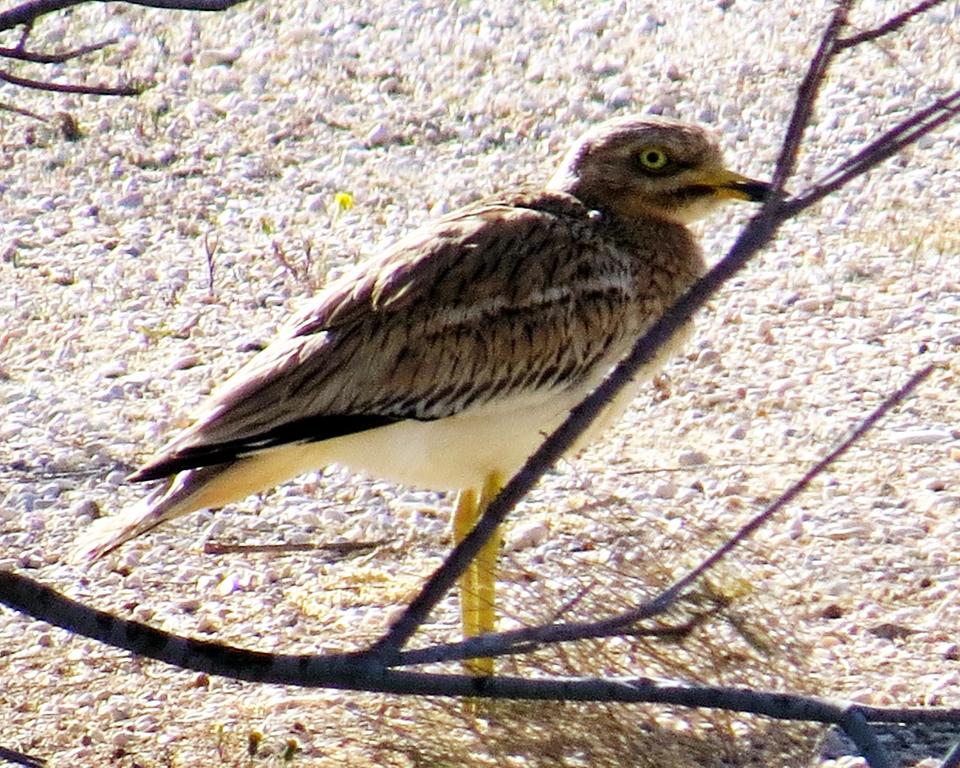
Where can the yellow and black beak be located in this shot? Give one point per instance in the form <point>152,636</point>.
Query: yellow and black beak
<point>733,186</point>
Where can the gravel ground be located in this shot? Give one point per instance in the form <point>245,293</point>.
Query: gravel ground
<point>142,263</point>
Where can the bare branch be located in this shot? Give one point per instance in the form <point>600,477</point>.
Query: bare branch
<point>891,25</point>
<point>21,111</point>
<point>89,90</point>
<point>855,725</point>
<point>21,54</point>
<point>882,148</point>
<point>187,5</point>
<point>670,595</point>
<point>28,12</point>
<point>19,758</point>
<point>352,672</point>
<point>807,95</point>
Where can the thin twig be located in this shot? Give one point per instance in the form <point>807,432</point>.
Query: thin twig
<point>670,595</point>
<point>88,90</point>
<point>807,94</point>
<point>890,25</point>
<point>337,547</point>
<point>188,5</point>
<point>880,149</point>
<point>210,246</point>
<point>28,12</point>
<point>20,54</point>
<point>24,35</point>
<point>20,758</point>
<point>529,638</point>
<point>26,113</point>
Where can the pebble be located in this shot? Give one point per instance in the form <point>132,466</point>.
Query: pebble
<point>122,739</point>
<point>920,436</point>
<point>208,625</point>
<point>526,534</point>
<point>664,489</point>
<point>30,560</point>
<point>212,57</point>
<point>813,303</point>
<point>216,528</point>
<point>116,478</point>
<point>621,97</point>
<point>707,357</point>
<point>691,458</point>
<point>379,135</point>
<point>190,605</point>
<point>227,585</point>
<point>737,432</point>
<point>184,362</point>
<point>113,369</point>
<point>316,203</point>
<point>131,200</point>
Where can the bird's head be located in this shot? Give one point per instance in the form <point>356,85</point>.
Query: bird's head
<point>646,166</point>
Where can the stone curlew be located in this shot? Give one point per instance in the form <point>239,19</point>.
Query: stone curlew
<point>444,361</point>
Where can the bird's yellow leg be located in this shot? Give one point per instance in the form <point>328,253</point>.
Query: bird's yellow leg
<point>478,582</point>
<point>487,563</point>
<point>464,518</point>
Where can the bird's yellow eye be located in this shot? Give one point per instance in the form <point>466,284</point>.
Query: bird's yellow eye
<point>653,158</point>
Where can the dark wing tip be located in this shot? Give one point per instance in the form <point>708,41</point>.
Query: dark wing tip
<point>307,430</point>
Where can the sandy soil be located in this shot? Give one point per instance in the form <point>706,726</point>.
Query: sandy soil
<point>140,264</point>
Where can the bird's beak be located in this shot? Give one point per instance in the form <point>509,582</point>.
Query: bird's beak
<point>733,186</point>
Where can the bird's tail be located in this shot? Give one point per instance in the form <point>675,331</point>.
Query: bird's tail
<point>177,496</point>
<point>203,488</point>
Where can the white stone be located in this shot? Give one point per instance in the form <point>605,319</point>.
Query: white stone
<point>526,534</point>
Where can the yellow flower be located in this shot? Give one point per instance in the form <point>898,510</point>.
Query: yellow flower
<point>343,201</point>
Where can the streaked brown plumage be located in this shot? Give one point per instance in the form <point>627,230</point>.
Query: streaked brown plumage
<point>444,361</point>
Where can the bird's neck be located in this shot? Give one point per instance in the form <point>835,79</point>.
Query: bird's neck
<point>654,238</point>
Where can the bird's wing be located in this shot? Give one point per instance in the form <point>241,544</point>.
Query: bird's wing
<point>486,302</point>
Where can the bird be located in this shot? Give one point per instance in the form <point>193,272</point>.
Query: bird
<point>444,361</point>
